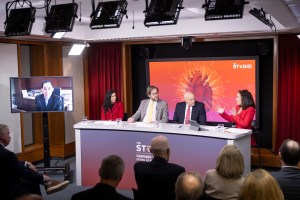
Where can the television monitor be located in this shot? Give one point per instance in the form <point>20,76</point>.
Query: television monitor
<point>41,94</point>
<point>214,81</point>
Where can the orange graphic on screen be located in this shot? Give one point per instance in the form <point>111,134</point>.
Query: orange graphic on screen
<point>214,82</point>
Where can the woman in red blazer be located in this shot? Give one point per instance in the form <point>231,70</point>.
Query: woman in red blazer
<point>242,115</point>
<point>111,108</point>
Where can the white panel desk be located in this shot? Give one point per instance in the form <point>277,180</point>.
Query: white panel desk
<point>195,150</point>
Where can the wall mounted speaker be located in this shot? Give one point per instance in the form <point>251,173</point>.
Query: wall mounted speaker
<point>187,42</point>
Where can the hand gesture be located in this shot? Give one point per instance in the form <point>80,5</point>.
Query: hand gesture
<point>233,111</point>
<point>219,109</point>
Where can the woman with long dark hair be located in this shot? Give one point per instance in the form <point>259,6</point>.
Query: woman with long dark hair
<point>242,115</point>
<point>111,108</point>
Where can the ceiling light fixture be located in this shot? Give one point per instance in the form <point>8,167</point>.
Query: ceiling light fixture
<point>108,14</point>
<point>162,12</point>
<point>76,49</point>
<point>19,21</point>
<point>58,35</point>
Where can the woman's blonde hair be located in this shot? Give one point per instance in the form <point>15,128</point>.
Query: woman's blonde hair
<point>260,185</point>
<point>230,162</point>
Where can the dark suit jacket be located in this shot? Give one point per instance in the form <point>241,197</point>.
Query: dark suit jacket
<point>158,175</point>
<point>16,171</point>
<point>289,182</point>
<point>55,103</point>
<point>99,192</point>
<point>198,113</point>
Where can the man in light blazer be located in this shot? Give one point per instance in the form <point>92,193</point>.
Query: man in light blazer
<point>151,110</point>
<point>288,177</point>
<point>197,114</point>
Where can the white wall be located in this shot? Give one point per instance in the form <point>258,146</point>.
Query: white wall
<point>73,66</point>
<point>9,68</point>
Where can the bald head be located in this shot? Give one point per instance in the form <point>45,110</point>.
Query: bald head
<point>189,98</point>
<point>289,152</point>
<point>188,186</point>
<point>160,146</point>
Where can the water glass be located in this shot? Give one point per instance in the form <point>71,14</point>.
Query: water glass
<point>220,128</point>
<point>119,121</point>
<point>84,119</point>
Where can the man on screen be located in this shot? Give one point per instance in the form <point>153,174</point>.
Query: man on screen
<point>151,110</point>
<point>190,109</point>
<point>47,101</point>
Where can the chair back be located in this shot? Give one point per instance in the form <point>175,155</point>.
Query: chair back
<point>151,195</point>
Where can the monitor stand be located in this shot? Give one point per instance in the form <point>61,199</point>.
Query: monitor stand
<point>47,167</point>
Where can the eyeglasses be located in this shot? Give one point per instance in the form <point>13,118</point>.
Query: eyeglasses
<point>154,93</point>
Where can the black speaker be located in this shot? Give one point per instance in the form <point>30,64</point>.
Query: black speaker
<point>147,52</point>
<point>262,49</point>
<point>19,21</point>
<point>61,18</point>
<point>186,42</point>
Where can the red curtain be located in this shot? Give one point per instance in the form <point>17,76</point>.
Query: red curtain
<point>288,115</point>
<point>105,72</point>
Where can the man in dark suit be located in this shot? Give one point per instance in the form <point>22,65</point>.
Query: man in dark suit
<point>289,175</point>
<point>47,101</point>
<point>158,175</point>
<point>22,175</point>
<point>151,110</point>
<point>189,109</point>
<point>110,172</point>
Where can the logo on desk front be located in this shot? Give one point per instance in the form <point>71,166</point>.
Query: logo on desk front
<point>143,152</point>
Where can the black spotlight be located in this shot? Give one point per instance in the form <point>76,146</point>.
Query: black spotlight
<point>186,42</point>
<point>19,21</point>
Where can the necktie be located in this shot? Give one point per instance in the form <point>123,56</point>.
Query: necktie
<point>150,112</point>
<point>187,115</point>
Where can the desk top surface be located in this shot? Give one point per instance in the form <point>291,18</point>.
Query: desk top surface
<point>209,131</point>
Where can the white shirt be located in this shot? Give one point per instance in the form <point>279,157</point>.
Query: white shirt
<point>186,108</point>
<point>153,113</point>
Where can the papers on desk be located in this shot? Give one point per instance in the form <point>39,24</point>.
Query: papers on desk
<point>106,123</point>
<point>235,130</point>
<point>145,125</point>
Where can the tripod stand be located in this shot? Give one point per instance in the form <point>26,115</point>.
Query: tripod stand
<point>47,167</point>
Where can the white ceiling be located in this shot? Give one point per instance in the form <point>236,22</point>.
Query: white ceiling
<point>190,23</point>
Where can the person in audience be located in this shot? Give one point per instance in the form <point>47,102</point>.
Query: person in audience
<point>242,115</point>
<point>289,175</point>
<point>151,110</point>
<point>22,174</point>
<point>188,186</point>
<point>47,101</point>
<point>225,181</point>
<point>260,185</point>
<point>157,175</point>
<point>112,108</point>
<point>29,197</point>
<point>190,109</point>
<point>110,172</point>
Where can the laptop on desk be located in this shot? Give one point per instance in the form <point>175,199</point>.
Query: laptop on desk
<point>195,126</point>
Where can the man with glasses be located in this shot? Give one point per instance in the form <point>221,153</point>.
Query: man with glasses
<point>151,110</point>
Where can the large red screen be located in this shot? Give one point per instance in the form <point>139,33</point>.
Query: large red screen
<point>214,82</point>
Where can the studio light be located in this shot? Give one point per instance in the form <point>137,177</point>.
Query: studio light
<point>76,49</point>
<point>61,18</point>
<point>298,36</point>
<point>58,35</point>
<point>108,14</point>
<point>223,9</point>
<point>19,21</point>
<point>162,12</point>
<point>261,15</point>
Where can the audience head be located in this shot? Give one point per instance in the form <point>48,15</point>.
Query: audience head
<point>230,162</point>
<point>4,135</point>
<point>289,152</point>
<point>244,99</point>
<point>111,170</point>
<point>152,92</point>
<point>47,89</point>
<point>260,185</point>
<point>189,98</point>
<point>188,186</point>
<point>29,197</point>
<point>109,100</point>
<point>160,147</point>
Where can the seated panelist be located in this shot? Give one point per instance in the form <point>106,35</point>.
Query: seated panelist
<point>189,109</point>
<point>111,108</point>
<point>151,110</point>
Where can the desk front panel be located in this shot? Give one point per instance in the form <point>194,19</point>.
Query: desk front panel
<point>195,153</point>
